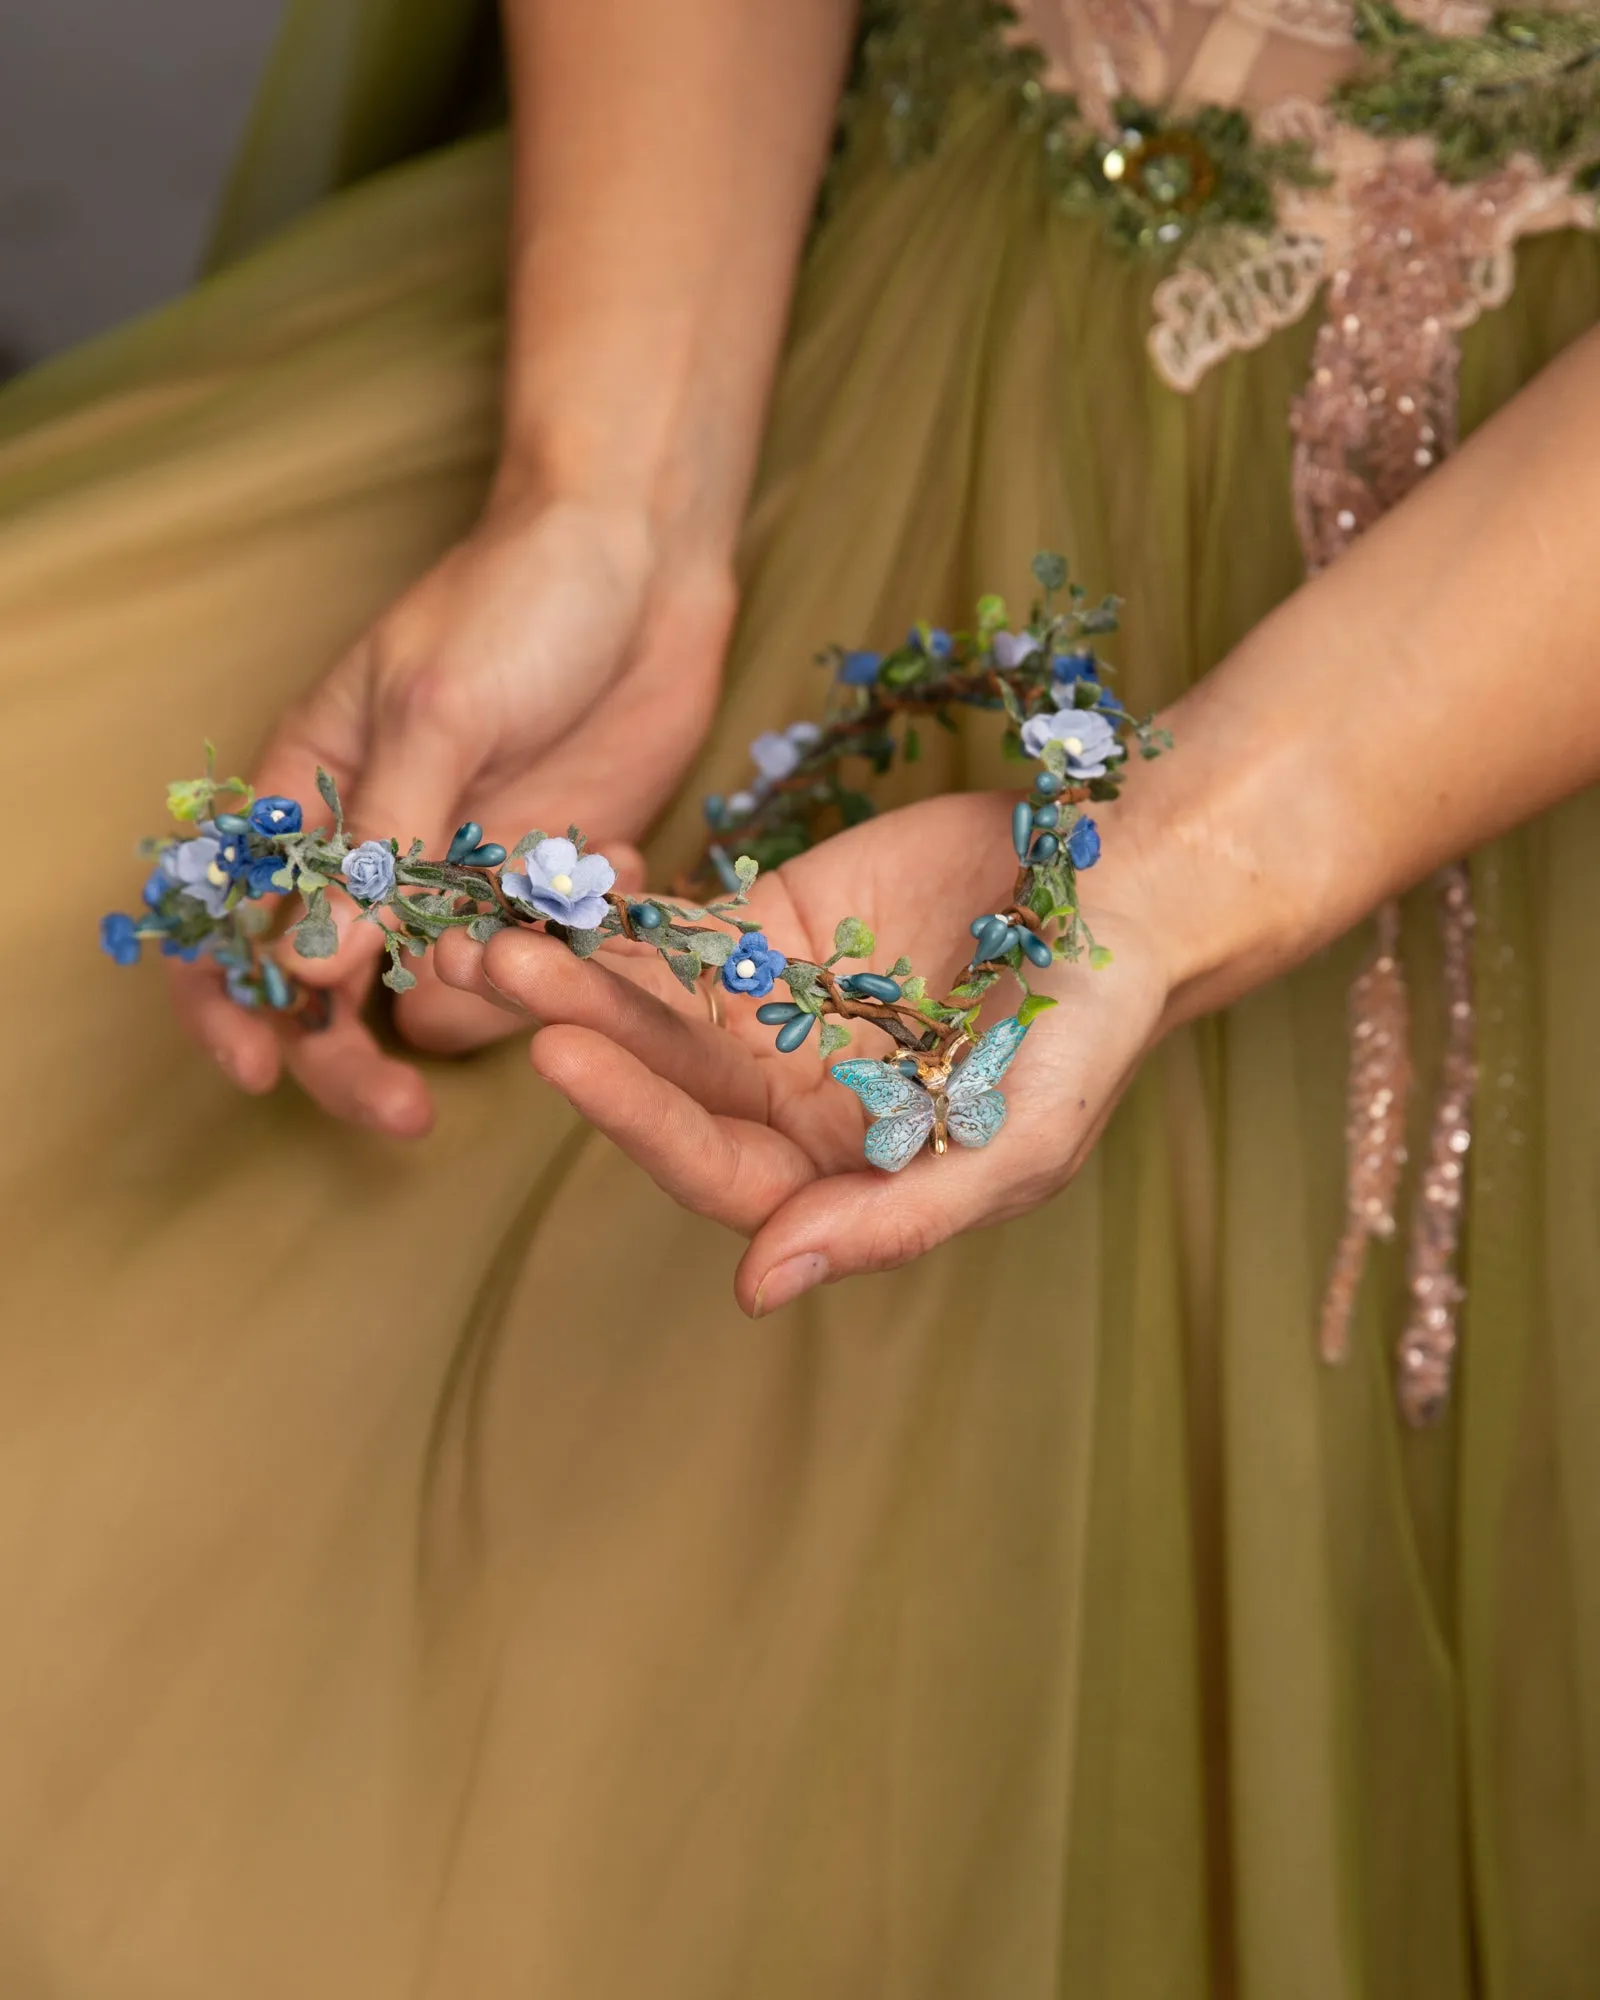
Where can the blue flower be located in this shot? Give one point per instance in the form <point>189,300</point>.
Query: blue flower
<point>276,815</point>
<point>1071,667</point>
<point>256,871</point>
<point>1088,739</point>
<point>369,871</point>
<point>241,987</point>
<point>752,965</point>
<point>937,644</point>
<point>860,669</point>
<point>119,939</point>
<point>1012,648</point>
<point>560,882</point>
<point>1083,844</point>
<point>198,868</point>
<point>155,888</point>
<point>170,948</point>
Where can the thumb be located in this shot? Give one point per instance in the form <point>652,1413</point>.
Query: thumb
<point>852,1223</point>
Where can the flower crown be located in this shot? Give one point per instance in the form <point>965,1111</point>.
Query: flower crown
<point>207,894</point>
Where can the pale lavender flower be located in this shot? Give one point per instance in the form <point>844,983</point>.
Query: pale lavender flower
<point>774,755</point>
<point>560,882</point>
<point>1088,739</point>
<point>369,871</point>
<point>198,869</point>
<point>1012,648</point>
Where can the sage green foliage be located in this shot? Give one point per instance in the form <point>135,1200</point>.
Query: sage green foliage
<point>1530,83</point>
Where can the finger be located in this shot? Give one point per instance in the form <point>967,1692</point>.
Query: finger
<point>242,1042</point>
<point>734,1170</point>
<point>342,1068</point>
<point>865,1221</point>
<point>445,1021</point>
<point>711,1064</point>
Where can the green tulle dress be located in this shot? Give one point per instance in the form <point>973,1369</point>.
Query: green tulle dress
<point>1043,1620</point>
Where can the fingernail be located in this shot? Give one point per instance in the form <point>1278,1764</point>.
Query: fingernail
<point>786,1281</point>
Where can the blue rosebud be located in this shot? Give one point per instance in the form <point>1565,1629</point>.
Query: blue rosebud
<point>256,873</point>
<point>275,815</point>
<point>860,669</point>
<point>369,871</point>
<point>752,966</point>
<point>1075,667</point>
<point>1083,844</point>
<point>119,938</point>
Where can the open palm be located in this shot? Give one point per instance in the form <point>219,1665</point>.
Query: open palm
<point>767,1143</point>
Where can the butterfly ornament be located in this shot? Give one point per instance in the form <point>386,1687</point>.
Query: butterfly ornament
<point>914,1099</point>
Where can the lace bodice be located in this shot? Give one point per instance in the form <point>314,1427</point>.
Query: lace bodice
<point>1381,158</point>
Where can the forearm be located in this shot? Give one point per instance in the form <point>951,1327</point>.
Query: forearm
<point>1437,685</point>
<point>667,159</point>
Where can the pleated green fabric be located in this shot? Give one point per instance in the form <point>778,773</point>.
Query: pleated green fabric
<point>1041,1620</point>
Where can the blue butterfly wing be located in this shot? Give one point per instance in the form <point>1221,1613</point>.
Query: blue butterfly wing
<point>882,1090</point>
<point>988,1062</point>
<point>974,1120</point>
<point>894,1142</point>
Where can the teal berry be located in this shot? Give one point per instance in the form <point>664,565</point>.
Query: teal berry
<point>1035,948</point>
<point>1045,848</point>
<point>467,836</point>
<point>231,823</point>
<point>793,1033</point>
<point>778,1013</point>
<point>872,986</point>
<point>275,984</point>
<point>1021,827</point>
<point>1047,784</point>
<point>991,933</point>
<point>646,916</point>
<point>489,855</point>
<point>1046,815</point>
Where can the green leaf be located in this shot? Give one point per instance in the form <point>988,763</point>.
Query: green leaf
<point>685,967</point>
<point>1050,571</point>
<point>854,807</point>
<point>303,879</point>
<point>711,947</point>
<point>915,990</point>
<point>584,944</point>
<point>481,929</point>
<point>747,870</point>
<point>852,939</point>
<point>330,796</point>
<point>900,968</point>
<point>1099,958</point>
<point>527,843</point>
<point>833,1037</point>
<point>316,936</point>
<point>800,977</point>
<point>1031,1008</point>
<point>913,746</point>
<point>398,979</point>
<point>991,614</point>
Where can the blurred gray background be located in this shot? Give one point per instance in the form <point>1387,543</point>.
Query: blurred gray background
<point>117,122</point>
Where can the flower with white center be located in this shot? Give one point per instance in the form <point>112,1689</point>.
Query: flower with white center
<point>1088,739</point>
<point>752,966</point>
<point>559,882</point>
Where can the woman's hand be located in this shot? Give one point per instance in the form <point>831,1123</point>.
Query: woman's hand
<point>767,1143</point>
<point>540,660</point>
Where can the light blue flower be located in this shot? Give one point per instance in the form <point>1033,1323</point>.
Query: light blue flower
<point>119,938</point>
<point>1088,739</point>
<point>369,871</point>
<point>741,804</point>
<point>276,815</point>
<point>1012,648</point>
<point>561,883</point>
<point>198,868</point>
<point>752,966</point>
<point>937,643</point>
<point>860,668</point>
<point>775,755</point>
<point>1083,844</point>
<point>803,735</point>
